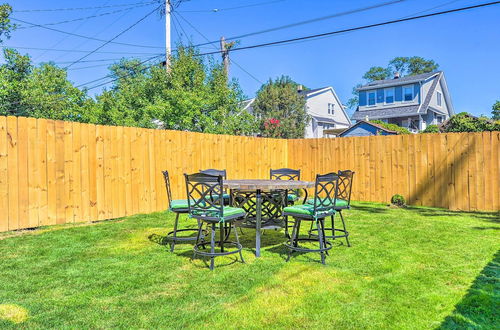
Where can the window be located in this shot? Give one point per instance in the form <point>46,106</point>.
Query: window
<point>371,98</point>
<point>439,97</point>
<point>439,119</point>
<point>389,95</point>
<point>331,108</point>
<point>408,93</point>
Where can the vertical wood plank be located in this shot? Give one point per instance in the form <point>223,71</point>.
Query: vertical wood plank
<point>84,174</point>
<point>127,171</point>
<point>120,170</point>
<point>13,172</point>
<point>4,177</point>
<point>60,177</point>
<point>108,172</point>
<point>93,167</point>
<point>33,173</point>
<point>51,173</point>
<point>68,172</point>
<point>42,180</point>
<point>100,184</point>
<point>23,131</point>
<point>76,188</point>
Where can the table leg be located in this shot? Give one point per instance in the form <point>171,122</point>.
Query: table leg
<point>258,221</point>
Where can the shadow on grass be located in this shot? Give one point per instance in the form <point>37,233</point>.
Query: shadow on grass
<point>431,212</point>
<point>479,307</point>
<point>370,209</point>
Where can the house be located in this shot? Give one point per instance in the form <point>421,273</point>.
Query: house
<point>413,102</point>
<point>366,128</point>
<point>326,111</point>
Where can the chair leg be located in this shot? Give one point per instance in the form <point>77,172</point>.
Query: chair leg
<point>198,236</point>
<point>237,241</point>
<point>293,238</point>
<point>222,236</point>
<point>310,229</point>
<point>320,238</point>
<point>212,246</point>
<point>345,231</point>
<point>324,235</point>
<point>287,234</point>
<point>172,244</point>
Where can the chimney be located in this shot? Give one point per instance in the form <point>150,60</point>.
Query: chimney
<point>300,88</point>
<point>396,75</point>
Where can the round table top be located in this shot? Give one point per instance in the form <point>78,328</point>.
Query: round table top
<point>252,184</point>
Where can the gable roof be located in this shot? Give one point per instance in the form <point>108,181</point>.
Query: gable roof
<point>313,91</point>
<point>360,122</point>
<point>407,110</point>
<point>316,91</point>
<point>400,81</point>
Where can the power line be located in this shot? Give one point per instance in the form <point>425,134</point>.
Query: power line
<point>204,37</point>
<point>76,50</point>
<point>364,27</point>
<point>85,8</point>
<point>215,10</point>
<point>115,37</point>
<point>83,36</point>
<point>82,18</point>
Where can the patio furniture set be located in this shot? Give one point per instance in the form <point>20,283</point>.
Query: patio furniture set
<point>280,202</point>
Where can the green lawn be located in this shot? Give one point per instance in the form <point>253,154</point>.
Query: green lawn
<point>407,268</point>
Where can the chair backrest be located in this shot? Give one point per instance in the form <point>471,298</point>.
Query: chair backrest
<point>284,174</point>
<point>205,194</point>
<point>345,185</point>
<point>325,194</point>
<point>167,186</point>
<point>215,172</point>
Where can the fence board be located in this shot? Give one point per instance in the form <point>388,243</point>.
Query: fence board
<point>22,143</point>
<point>51,174</point>
<point>85,177</point>
<point>33,174</point>
<point>13,173</point>
<point>4,177</point>
<point>42,173</point>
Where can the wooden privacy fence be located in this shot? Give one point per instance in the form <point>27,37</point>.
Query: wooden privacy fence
<point>55,172</point>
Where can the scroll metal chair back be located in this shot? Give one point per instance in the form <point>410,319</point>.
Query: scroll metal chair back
<point>345,188</point>
<point>325,197</point>
<point>205,202</point>
<point>284,174</point>
<point>178,206</point>
<point>211,171</point>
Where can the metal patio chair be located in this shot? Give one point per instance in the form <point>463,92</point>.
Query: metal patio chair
<point>178,206</point>
<point>325,194</point>
<point>204,193</point>
<point>343,202</point>
<point>287,174</point>
<point>223,173</point>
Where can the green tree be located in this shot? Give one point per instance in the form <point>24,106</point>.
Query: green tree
<point>40,91</point>
<point>376,73</point>
<point>280,109</point>
<point>193,95</point>
<point>6,26</point>
<point>464,122</point>
<point>495,111</point>
<point>431,129</point>
<point>392,127</point>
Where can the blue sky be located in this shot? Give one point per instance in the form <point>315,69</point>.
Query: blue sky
<point>466,45</point>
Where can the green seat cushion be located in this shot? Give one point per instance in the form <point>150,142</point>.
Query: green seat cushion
<point>292,197</point>
<point>339,202</point>
<point>306,209</point>
<point>228,211</point>
<point>177,204</point>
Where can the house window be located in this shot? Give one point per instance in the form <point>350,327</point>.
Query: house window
<point>439,119</point>
<point>439,97</point>
<point>371,98</point>
<point>389,95</point>
<point>408,93</point>
<point>331,107</point>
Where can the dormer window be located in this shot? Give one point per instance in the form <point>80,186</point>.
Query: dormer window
<point>439,98</point>
<point>408,93</point>
<point>389,95</point>
<point>371,98</point>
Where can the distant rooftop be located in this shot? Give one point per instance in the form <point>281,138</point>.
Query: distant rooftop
<point>398,81</point>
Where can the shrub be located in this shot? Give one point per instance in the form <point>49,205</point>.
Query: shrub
<point>431,129</point>
<point>398,200</point>
<point>392,127</point>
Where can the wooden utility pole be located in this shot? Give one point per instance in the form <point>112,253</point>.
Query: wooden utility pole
<point>224,49</point>
<point>168,47</point>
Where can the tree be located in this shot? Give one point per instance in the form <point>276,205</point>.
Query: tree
<point>6,26</point>
<point>40,91</point>
<point>392,127</point>
<point>465,122</point>
<point>279,107</point>
<point>495,111</point>
<point>193,95</point>
<point>431,129</point>
<point>406,66</point>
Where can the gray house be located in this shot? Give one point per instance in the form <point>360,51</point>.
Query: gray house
<point>413,102</point>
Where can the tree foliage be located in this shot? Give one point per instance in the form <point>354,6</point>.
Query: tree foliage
<point>6,26</point>
<point>279,100</point>
<point>464,122</point>
<point>431,129</point>
<point>392,127</point>
<point>495,111</point>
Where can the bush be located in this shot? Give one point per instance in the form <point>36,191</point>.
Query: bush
<point>398,200</point>
<point>431,129</point>
<point>392,127</point>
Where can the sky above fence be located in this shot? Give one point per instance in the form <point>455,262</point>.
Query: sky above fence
<point>464,44</point>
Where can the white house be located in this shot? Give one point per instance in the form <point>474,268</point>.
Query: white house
<point>413,102</point>
<point>325,109</point>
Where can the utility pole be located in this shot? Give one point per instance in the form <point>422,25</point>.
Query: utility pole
<point>168,47</point>
<point>224,49</point>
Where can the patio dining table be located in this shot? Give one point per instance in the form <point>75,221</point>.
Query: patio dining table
<point>258,187</point>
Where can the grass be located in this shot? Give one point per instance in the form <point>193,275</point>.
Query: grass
<point>407,268</point>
